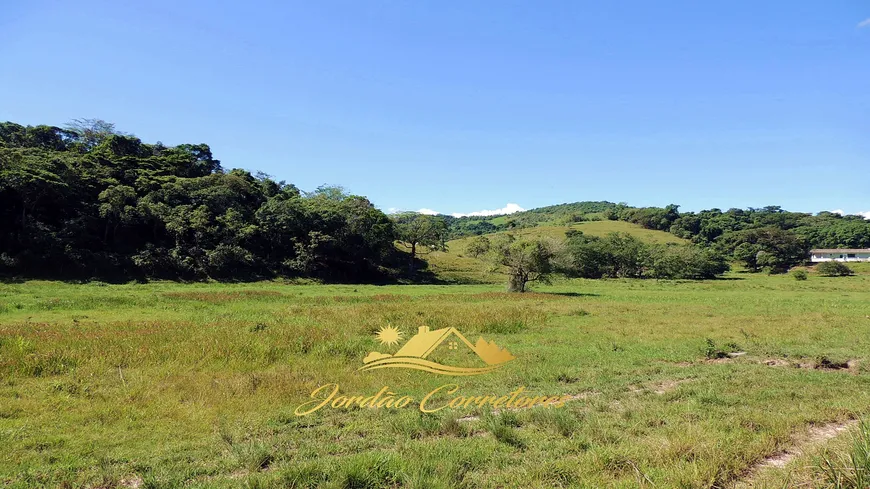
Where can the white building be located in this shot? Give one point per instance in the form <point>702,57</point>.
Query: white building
<point>817,256</point>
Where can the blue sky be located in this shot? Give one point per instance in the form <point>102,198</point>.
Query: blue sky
<point>462,106</point>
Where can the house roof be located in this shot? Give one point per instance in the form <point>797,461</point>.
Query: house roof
<point>421,344</point>
<point>840,250</point>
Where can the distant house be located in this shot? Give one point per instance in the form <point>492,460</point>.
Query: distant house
<point>845,254</point>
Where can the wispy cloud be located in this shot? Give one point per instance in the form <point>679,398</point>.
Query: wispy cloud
<point>864,23</point>
<point>428,212</point>
<point>510,208</point>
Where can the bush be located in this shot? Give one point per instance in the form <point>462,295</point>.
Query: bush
<point>833,269</point>
<point>712,351</point>
<point>686,262</point>
<point>478,246</point>
<point>799,274</point>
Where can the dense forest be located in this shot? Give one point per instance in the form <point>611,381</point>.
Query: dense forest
<point>86,201</point>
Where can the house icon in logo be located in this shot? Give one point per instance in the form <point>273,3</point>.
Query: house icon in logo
<point>413,353</point>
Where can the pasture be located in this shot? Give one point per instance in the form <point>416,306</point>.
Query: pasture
<point>673,384</point>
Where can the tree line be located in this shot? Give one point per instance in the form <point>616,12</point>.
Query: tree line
<point>87,201</point>
<point>768,238</point>
<point>617,255</point>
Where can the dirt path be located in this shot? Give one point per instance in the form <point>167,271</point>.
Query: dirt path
<point>802,443</point>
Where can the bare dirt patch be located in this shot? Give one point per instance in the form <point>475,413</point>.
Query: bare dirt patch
<point>776,362</point>
<point>823,363</point>
<point>801,443</point>
<point>850,366</point>
<point>134,482</point>
<point>828,364</point>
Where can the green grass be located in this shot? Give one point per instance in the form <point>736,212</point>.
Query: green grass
<point>171,385</point>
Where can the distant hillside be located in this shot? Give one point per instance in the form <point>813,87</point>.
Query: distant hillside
<point>561,214</point>
<point>768,238</point>
<point>725,229</point>
<point>456,265</point>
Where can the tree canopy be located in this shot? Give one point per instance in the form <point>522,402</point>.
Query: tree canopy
<point>524,261</point>
<point>420,233</point>
<point>86,201</point>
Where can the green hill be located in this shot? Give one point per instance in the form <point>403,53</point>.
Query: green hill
<point>551,215</point>
<point>455,265</point>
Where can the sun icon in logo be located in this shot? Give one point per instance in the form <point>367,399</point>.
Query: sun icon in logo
<point>388,335</point>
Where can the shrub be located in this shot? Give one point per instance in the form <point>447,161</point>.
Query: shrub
<point>478,246</point>
<point>799,274</point>
<point>833,269</point>
<point>686,262</point>
<point>712,351</point>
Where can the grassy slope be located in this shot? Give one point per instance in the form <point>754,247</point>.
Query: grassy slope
<point>197,383</point>
<point>454,265</point>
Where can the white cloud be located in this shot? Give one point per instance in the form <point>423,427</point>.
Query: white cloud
<point>864,23</point>
<point>510,208</point>
<point>507,209</point>
<point>865,215</point>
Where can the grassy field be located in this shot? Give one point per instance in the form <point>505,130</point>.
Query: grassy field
<point>173,385</point>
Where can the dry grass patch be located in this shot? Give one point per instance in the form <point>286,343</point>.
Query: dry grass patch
<point>222,296</point>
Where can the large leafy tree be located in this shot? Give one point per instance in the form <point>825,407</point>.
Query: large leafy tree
<point>524,261</point>
<point>420,234</point>
<point>770,248</point>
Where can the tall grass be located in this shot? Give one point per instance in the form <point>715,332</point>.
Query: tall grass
<point>849,469</point>
<point>195,385</point>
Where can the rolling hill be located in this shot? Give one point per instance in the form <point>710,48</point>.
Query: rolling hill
<point>455,265</point>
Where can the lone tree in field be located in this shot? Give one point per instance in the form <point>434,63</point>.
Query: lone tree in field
<point>419,232</point>
<point>478,246</point>
<point>524,261</point>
